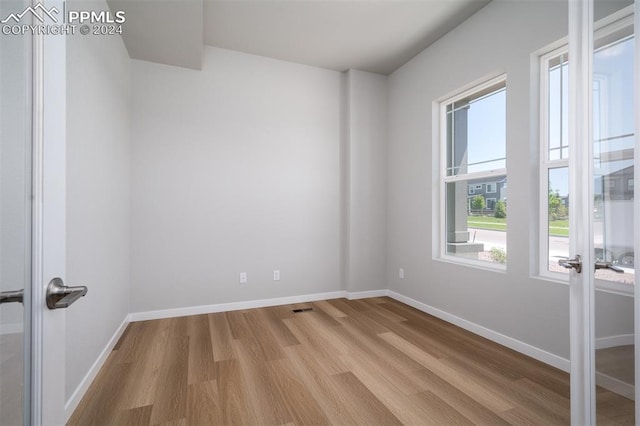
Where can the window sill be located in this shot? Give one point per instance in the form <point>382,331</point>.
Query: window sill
<point>553,278</point>
<point>601,285</point>
<point>478,264</point>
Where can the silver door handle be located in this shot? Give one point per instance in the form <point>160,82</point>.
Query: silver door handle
<point>61,296</point>
<point>12,296</point>
<point>572,263</point>
<point>609,265</point>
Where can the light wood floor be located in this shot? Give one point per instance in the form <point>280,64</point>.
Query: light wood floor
<point>373,361</point>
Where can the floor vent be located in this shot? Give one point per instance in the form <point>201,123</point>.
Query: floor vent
<point>297,311</point>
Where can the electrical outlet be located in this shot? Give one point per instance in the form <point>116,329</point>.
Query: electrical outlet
<point>243,277</point>
<point>276,275</point>
<point>401,273</point>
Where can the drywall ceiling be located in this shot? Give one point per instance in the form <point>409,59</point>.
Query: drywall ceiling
<point>164,31</point>
<point>369,35</point>
<point>376,36</point>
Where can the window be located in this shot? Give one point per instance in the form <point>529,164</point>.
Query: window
<point>473,141</point>
<point>613,138</point>
<point>555,161</point>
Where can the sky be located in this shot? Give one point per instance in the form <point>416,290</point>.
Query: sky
<point>613,116</point>
<point>487,127</point>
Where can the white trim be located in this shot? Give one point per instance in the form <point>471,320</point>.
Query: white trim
<point>636,204</point>
<point>475,176</point>
<point>613,341</point>
<point>11,328</point>
<point>509,342</point>
<point>474,263</point>
<point>615,288</point>
<point>581,286</point>
<point>545,163</point>
<point>76,397</point>
<point>439,155</point>
<point>236,306</point>
<point>37,231</point>
<point>617,21</point>
<point>615,385</point>
<point>252,304</point>
<point>473,87</point>
<point>367,294</point>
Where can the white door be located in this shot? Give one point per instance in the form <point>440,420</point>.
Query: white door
<point>603,115</point>
<point>32,197</point>
<point>49,223</point>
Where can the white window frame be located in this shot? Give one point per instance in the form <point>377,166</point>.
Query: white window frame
<point>604,28</point>
<point>440,222</point>
<point>546,165</point>
<point>492,188</point>
<point>471,190</point>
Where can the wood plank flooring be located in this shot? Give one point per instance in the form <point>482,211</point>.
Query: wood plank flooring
<point>370,362</point>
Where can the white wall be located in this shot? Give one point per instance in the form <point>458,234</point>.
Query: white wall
<point>500,38</point>
<point>366,181</point>
<point>236,168</point>
<point>98,194</point>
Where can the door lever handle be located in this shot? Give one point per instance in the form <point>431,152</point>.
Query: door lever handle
<point>572,263</point>
<point>60,296</point>
<point>608,265</point>
<point>12,296</point>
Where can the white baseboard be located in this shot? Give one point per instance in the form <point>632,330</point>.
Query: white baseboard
<point>235,306</point>
<point>613,341</point>
<point>617,386</point>
<point>367,294</point>
<point>82,388</point>
<point>516,345</point>
<point>12,328</point>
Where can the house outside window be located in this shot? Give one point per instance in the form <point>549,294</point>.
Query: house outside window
<point>473,141</point>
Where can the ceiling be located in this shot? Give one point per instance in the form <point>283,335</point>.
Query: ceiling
<point>369,35</point>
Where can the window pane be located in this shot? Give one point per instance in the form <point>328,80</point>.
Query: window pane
<point>613,134</point>
<point>558,218</point>
<point>613,149</point>
<point>476,224</point>
<point>558,136</point>
<point>476,132</point>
